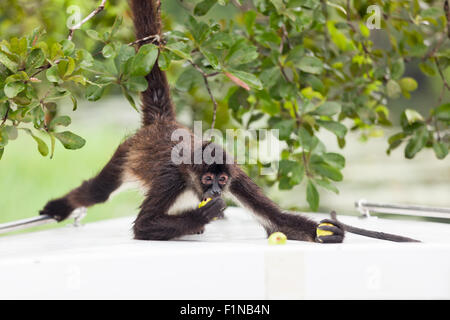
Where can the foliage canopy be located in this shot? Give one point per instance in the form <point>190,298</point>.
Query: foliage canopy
<point>299,66</point>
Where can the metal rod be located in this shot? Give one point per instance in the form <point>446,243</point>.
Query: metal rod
<point>411,210</point>
<point>25,223</point>
<point>78,214</point>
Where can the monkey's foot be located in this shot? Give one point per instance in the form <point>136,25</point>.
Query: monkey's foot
<point>329,231</point>
<point>58,209</point>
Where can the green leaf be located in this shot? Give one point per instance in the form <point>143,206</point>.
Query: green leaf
<point>124,56</point>
<point>339,38</point>
<point>212,58</point>
<point>3,137</point>
<point>285,127</point>
<point>108,51</point>
<point>292,171</point>
<point>412,116</point>
<point>428,68</point>
<point>310,65</point>
<point>327,171</point>
<point>70,140</point>
<point>138,84</point>
<point>334,159</point>
<point>440,149</point>
<point>408,84</point>
<point>247,78</point>
<point>337,128</point>
<point>164,61</point>
<point>179,48</point>
<point>187,79</point>
<point>7,62</point>
<point>326,185</point>
<point>52,144</point>
<point>94,34</point>
<point>1,152</point>
<point>416,143</point>
<point>443,112</point>
<point>393,89</point>
<point>241,53</point>
<point>432,12</point>
<point>52,74</point>
<point>129,98</point>
<point>61,121</point>
<point>116,25</point>
<point>74,103</point>
<point>397,69</point>
<point>144,60</point>
<point>203,7</point>
<point>68,47</point>
<point>94,92</point>
<point>35,59</point>
<point>42,146</point>
<point>312,196</point>
<point>84,58</point>
<point>328,108</point>
<point>12,89</point>
<point>239,100</point>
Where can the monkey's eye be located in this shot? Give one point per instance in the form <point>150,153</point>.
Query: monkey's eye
<point>207,178</point>
<point>223,179</point>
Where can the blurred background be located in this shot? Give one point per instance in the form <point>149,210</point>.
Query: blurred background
<point>28,180</point>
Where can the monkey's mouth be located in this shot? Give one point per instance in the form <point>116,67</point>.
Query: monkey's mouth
<point>211,195</point>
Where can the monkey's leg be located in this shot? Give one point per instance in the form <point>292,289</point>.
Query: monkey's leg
<point>294,226</point>
<point>153,222</point>
<point>92,191</point>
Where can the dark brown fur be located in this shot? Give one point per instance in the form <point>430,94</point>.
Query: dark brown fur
<point>146,158</point>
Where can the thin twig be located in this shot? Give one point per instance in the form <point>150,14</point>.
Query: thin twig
<point>5,117</point>
<point>155,39</point>
<point>436,61</point>
<point>205,79</point>
<point>436,48</point>
<point>88,17</point>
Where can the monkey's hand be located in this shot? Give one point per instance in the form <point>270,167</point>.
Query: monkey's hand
<point>329,231</point>
<point>212,209</point>
<point>58,209</point>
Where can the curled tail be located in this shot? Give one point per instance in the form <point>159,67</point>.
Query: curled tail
<point>156,102</point>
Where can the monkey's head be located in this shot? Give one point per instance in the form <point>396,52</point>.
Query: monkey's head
<point>214,180</point>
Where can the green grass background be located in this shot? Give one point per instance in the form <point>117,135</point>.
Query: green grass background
<point>28,180</point>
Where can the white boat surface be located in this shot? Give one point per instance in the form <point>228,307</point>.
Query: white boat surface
<point>231,260</point>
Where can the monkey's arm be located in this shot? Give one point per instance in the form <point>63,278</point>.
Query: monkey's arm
<point>92,191</point>
<point>294,226</point>
<point>154,222</point>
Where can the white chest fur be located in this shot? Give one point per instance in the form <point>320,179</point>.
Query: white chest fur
<point>185,201</point>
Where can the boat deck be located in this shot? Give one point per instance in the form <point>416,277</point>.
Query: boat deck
<point>231,260</point>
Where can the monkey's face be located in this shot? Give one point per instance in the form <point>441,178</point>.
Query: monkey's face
<point>213,184</point>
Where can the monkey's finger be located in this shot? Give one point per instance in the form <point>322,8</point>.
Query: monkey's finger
<point>335,230</point>
<point>330,239</point>
<point>333,222</point>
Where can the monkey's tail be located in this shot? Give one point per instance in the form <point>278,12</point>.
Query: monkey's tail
<point>156,102</point>
<point>373,234</point>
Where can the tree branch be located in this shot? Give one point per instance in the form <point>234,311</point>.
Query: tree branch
<point>436,61</point>
<point>88,17</point>
<point>5,117</point>
<point>205,79</point>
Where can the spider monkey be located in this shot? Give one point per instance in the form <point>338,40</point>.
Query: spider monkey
<point>172,192</point>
